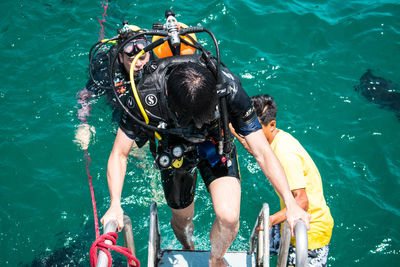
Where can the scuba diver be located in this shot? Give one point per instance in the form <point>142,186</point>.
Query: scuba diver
<point>182,106</point>
<point>100,84</point>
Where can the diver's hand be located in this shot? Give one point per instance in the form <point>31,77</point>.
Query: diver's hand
<point>83,135</point>
<point>240,138</point>
<point>116,213</point>
<point>294,213</point>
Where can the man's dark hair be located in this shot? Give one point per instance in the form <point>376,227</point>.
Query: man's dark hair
<point>191,90</point>
<point>265,108</point>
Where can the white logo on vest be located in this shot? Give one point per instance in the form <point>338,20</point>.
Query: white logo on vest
<point>151,100</point>
<point>131,102</point>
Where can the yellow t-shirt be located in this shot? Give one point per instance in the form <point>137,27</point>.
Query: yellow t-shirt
<point>301,172</point>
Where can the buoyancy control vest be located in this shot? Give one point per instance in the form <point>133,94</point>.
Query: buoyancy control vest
<point>152,93</point>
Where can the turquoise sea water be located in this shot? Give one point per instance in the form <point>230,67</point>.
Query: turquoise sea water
<point>308,55</point>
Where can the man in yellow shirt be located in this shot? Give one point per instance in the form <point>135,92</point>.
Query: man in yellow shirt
<point>304,182</point>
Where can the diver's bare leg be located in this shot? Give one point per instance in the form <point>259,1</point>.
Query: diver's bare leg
<point>182,225</point>
<point>225,194</point>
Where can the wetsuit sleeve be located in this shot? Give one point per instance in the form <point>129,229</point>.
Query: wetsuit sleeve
<point>241,112</point>
<point>133,130</point>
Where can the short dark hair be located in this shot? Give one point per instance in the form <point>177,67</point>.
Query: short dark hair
<point>265,108</point>
<point>191,90</point>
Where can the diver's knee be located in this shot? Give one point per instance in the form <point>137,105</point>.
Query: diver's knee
<point>182,216</point>
<point>228,218</point>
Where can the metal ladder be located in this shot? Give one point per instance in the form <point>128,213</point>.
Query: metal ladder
<point>256,256</point>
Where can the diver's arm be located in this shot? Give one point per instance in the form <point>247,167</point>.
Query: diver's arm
<point>84,131</point>
<point>116,170</point>
<point>83,97</point>
<point>273,170</point>
<point>240,138</point>
<point>301,199</point>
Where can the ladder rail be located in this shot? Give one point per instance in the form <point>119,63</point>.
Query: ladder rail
<point>284,245</point>
<point>301,244</point>
<point>102,259</point>
<point>154,237</point>
<point>259,238</point>
<point>254,232</point>
<point>127,233</point>
<point>265,211</point>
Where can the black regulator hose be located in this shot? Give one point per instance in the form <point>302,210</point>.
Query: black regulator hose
<point>93,50</point>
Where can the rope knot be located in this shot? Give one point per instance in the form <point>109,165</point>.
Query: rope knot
<point>100,244</point>
<point>111,236</point>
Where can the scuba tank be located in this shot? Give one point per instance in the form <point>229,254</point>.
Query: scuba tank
<point>174,46</point>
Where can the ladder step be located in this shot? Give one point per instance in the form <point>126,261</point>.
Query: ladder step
<point>186,258</point>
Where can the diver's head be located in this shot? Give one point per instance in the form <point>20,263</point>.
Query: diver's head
<point>266,112</point>
<point>192,95</point>
<point>129,52</point>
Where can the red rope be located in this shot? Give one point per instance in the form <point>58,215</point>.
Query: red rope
<point>99,243</point>
<point>104,5</point>
<point>96,220</point>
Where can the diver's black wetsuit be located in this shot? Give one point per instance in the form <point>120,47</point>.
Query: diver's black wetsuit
<point>101,68</point>
<point>179,183</point>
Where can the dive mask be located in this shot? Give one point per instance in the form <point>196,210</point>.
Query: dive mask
<point>132,48</point>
